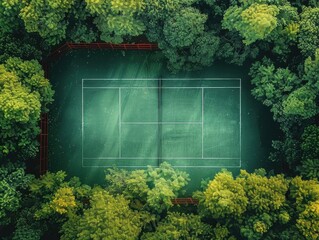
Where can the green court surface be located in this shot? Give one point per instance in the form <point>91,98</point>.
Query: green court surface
<point>127,110</point>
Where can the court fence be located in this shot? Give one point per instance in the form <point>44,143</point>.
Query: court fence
<point>68,46</point>
<point>60,51</point>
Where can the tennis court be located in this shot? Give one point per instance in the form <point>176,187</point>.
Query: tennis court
<point>141,122</point>
<point>129,111</point>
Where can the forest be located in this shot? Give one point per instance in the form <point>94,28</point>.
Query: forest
<point>278,39</point>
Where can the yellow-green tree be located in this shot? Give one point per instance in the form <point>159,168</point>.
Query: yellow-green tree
<point>117,19</point>
<point>24,94</point>
<point>152,189</point>
<point>108,217</point>
<point>47,18</point>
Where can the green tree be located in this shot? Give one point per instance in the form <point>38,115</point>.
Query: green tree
<point>301,102</point>
<point>19,45</point>
<point>309,31</point>
<point>225,197</point>
<point>256,206</point>
<point>272,86</point>
<point>55,198</point>
<point>253,23</point>
<point>180,226</point>
<point>273,24</point>
<point>109,217</point>
<point>13,180</point>
<point>117,19</point>
<point>305,199</point>
<point>310,150</point>
<point>9,12</point>
<point>80,24</point>
<point>47,18</point>
<point>151,189</point>
<point>182,29</point>
<point>24,94</point>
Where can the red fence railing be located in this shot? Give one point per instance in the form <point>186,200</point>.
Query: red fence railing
<point>100,45</point>
<point>43,144</point>
<point>185,201</point>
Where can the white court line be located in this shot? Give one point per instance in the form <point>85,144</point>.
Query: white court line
<point>135,79</point>
<point>136,123</point>
<point>202,122</point>
<point>156,166</point>
<point>82,124</point>
<point>156,79</point>
<point>171,158</point>
<point>240,122</point>
<point>155,87</point>
<point>120,123</point>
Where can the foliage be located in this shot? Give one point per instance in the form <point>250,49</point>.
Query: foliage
<point>57,198</point>
<point>287,151</point>
<point>117,19</point>
<point>151,189</point>
<point>264,194</point>
<point>109,217</point>
<point>182,29</point>
<point>181,32</point>
<point>271,85</point>
<point>26,227</point>
<point>81,27</point>
<point>13,180</point>
<point>24,93</point>
<point>301,102</point>
<point>274,25</point>
<point>9,11</point>
<point>204,48</point>
<point>225,197</point>
<point>311,71</point>
<point>306,202</point>
<point>254,23</point>
<point>310,149</point>
<point>264,206</point>
<point>309,31</point>
<point>19,45</point>
<point>308,221</point>
<point>180,226</point>
<point>47,18</point>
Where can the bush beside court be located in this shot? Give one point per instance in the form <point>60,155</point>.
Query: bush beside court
<point>277,38</point>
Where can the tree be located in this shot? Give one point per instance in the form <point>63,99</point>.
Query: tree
<point>151,189</point>
<point>117,19</point>
<point>253,23</point>
<point>311,71</point>
<point>109,217</point>
<point>274,25</point>
<point>301,102</point>
<point>9,12</point>
<point>309,31</point>
<point>24,94</point>
<point>47,18</point>
<point>182,29</point>
<point>80,24</point>
<point>272,85</point>
<point>310,149</point>
<point>305,195</point>
<point>225,197</point>
<point>55,198</point>
<point>13,180</point>
<point>180,226</point>
<point>257,206</point>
